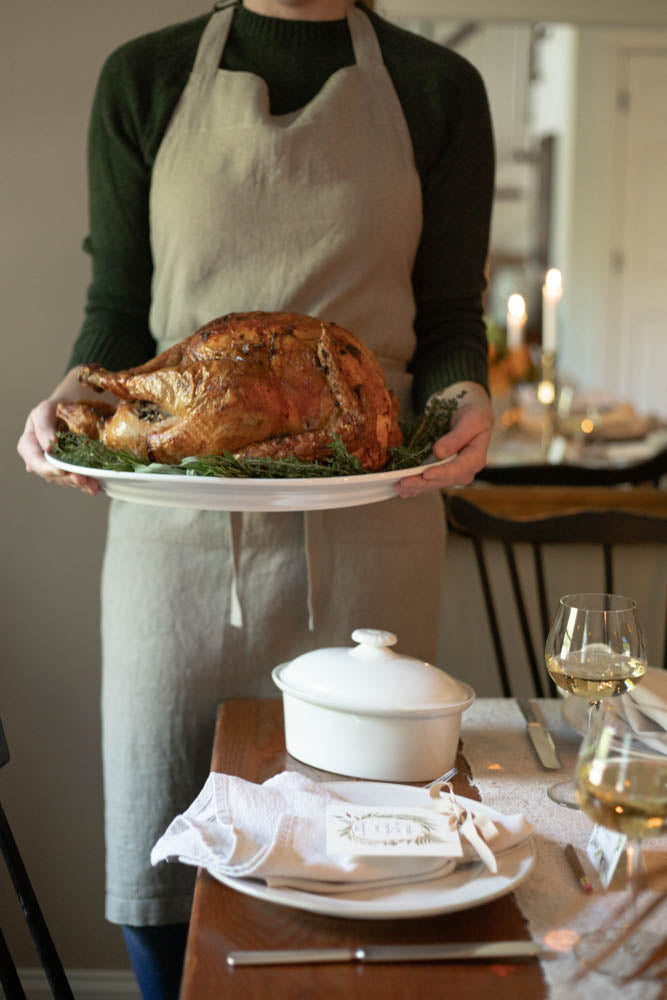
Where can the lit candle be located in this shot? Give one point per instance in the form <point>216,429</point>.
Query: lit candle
<point>552,292</point>
<point>516,321</point>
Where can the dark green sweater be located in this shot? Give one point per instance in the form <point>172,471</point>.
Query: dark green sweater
<point>446,109</point>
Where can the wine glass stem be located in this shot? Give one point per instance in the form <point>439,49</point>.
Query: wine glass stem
<point>635,867</point>
<point>635,862</point>
<point>593,707</point>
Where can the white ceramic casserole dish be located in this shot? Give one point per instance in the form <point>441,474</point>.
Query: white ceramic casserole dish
<point>368,712</point>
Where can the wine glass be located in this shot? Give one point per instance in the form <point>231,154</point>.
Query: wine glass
<point>595,650</point>
<point>621,783</point>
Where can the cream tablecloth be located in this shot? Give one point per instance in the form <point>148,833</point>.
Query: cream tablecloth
<point>505,771</point>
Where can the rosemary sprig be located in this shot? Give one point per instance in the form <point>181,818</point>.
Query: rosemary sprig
<point>419,436</point>
<point>339,463</point>
<point>77,449</point>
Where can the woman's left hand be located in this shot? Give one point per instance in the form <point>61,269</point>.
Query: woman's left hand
<point>467,440</point>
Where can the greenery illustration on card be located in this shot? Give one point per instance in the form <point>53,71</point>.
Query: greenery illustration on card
<point>386,830</point>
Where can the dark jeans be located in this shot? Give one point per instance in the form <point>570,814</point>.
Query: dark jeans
<point>157,954</point>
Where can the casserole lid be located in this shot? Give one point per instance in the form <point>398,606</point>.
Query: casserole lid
<point>371,677</point>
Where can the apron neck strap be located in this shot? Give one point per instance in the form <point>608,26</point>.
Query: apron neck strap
<point>213,41</point>
<point>365,44</point>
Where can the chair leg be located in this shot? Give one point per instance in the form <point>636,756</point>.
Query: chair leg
<point>9,977</point>
<point>523,619</point>
<point>538,564</point>
<point>46,949</point>
<point>542,597</point>
<point>493,620</point>
<point>608,569</point>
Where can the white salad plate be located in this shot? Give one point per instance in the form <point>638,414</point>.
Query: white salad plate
<point>467,886</point>
<point>225,493</point>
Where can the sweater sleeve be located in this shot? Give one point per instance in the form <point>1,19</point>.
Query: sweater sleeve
<point>449,270</point>
<point>115,330</point>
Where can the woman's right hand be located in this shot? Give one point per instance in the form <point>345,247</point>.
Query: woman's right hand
<point>40,433</point>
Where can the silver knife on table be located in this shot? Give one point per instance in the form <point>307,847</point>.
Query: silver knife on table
<point>540,736</point>
<point>485,951</point>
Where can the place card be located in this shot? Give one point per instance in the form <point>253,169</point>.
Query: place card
<point>390,830</point>
<point>605,849</point>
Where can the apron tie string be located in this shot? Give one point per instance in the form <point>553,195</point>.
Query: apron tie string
<point>312,543</point>
<point>236,530</point>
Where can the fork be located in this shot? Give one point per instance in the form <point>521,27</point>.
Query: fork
<point>443,777</point>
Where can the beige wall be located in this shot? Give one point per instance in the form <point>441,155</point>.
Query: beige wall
<point>52,538</point>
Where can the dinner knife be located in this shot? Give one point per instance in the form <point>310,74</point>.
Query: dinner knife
<point>540,736</point>
<point>459,951</point>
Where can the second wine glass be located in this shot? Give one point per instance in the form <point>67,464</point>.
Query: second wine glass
<point>595,650</point>
<point>621,782</point>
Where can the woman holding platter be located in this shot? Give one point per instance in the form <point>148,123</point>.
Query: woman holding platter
<point>297,155</point>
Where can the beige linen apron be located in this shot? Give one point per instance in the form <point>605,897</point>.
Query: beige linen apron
<point>318,211</point>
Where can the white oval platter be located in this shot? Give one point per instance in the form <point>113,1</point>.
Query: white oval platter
<point>218,493</point>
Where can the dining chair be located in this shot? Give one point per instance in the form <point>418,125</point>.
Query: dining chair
<point>650,470</point>
<point>46,949</point>
<point>542,517</point>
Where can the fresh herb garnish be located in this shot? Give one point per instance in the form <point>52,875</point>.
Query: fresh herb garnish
<point>77,449</point>
<point>419,436</point>
<point>421,433</point>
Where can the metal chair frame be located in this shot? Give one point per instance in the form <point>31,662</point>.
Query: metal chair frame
<point>46,949</point>
<point>569,525</point>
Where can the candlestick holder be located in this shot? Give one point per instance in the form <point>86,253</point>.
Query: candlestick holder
<point>546,395</point>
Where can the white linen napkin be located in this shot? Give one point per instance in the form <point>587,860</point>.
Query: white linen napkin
<point>650,695</point>
<point>277,832</point>
<point>645,708</point>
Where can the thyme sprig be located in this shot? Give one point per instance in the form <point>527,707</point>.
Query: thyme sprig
<point>419,436</point>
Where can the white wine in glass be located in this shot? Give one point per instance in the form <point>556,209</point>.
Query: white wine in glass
<point>621,783</point>
<point>596,674</point>
<point>595,650</point>
<point>626,795</point>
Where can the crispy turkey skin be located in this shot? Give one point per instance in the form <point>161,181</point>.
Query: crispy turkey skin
<point>259,384</point>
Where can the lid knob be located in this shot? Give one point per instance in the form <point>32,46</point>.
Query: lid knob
<point>376,638</point>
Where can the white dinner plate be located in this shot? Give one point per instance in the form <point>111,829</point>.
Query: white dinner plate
<point>469,885</point>
<point>222,493</point>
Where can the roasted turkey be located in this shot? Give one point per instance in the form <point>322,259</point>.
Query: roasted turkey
<point>254,384</point>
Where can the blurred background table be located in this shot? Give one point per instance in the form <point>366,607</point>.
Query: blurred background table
<point>589,431</point>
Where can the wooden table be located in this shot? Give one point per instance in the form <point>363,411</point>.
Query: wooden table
<point>249,743</point>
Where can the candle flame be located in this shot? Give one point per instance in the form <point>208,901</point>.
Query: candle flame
<point>516,306</point>
<point>553,281</point>
<point>546,392</point>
